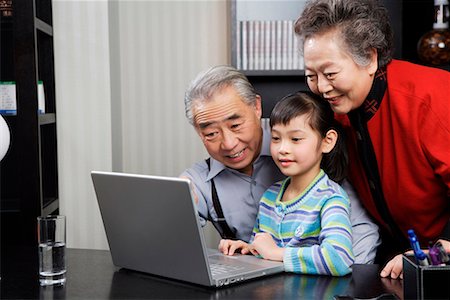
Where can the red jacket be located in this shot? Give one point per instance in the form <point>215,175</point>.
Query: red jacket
<point>410,134</point>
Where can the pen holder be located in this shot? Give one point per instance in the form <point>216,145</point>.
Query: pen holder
<point>425,282</point>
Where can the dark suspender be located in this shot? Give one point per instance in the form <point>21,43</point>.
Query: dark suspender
<point>221,224</point>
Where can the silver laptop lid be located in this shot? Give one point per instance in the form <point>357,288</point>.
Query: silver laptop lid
<point>140,235</point>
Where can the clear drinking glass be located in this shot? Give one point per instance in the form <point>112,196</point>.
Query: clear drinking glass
<point>52,249</point>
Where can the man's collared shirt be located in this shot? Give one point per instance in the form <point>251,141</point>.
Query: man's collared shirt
<point>239,194</point>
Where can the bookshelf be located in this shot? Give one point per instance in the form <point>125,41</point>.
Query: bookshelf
<point>28,173</point>
<point>271,61</point>
<point>271,68</point>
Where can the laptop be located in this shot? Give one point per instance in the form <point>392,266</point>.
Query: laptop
<point>152,226</point>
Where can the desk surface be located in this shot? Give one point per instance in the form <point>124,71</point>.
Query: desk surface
<point>92,275</point>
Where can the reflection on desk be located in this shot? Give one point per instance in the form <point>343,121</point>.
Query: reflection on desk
<point>285,286</point>
<point>92,275</point>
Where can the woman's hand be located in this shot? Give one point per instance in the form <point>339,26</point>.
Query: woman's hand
<point>394,268</point>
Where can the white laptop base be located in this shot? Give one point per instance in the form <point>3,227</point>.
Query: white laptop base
<point>152,226</point>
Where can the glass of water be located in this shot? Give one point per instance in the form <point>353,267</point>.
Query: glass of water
<point>52,249</point>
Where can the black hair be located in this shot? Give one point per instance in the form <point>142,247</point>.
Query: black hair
<point>321,118</point>
<point>363,25</point>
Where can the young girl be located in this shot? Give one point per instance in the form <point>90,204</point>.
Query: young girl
<point>304,220</point>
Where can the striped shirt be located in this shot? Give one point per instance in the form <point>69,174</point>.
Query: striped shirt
<point>314,228</point>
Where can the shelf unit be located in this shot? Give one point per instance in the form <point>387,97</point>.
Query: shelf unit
<point>28,173</point>
<point>273,84</point>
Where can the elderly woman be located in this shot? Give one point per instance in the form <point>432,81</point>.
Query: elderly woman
<point>396,115</point>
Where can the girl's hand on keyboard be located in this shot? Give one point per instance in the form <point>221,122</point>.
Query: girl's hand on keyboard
<point>265,245</point>
<point>229,247</point>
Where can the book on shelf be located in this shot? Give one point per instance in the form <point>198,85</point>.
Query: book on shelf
<point>267,45</point>
<point>266,54</point>
<point>295,53</point>
<point>251,45</point>
<point>261,45</point>
<point>41,97</point>
<point>8,99</point>
<point>8,104</point>
<point>290,45</point>
<point>279,45</point>
<point>273,41</point>
<point>238,45</point>
<point>244,45</point>
<point>256,45</point>
<point>284,45</point>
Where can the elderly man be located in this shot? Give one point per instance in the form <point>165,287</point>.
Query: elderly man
<point>226,112</point>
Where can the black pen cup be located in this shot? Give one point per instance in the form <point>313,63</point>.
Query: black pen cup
<point>425,282</point>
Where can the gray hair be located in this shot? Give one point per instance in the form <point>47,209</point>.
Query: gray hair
<point>363,24</point>
<point>208,82</point>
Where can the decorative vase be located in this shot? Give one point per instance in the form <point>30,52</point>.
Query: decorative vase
<point>434,46</point>
<point>4,137</point>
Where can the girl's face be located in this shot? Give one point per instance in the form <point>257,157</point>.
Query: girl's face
<point>296,148</point>
<point>332,73</point>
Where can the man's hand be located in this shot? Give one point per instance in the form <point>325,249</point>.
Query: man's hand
<point>229,247</point>
<point>394,268</point>
<point>267,248</point>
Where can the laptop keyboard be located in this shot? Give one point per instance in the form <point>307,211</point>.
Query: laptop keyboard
<point>217,268</point>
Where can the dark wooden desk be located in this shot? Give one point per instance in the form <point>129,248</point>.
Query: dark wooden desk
<point>92,275</point>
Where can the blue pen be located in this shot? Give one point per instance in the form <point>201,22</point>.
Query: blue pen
<point>421,257</point>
